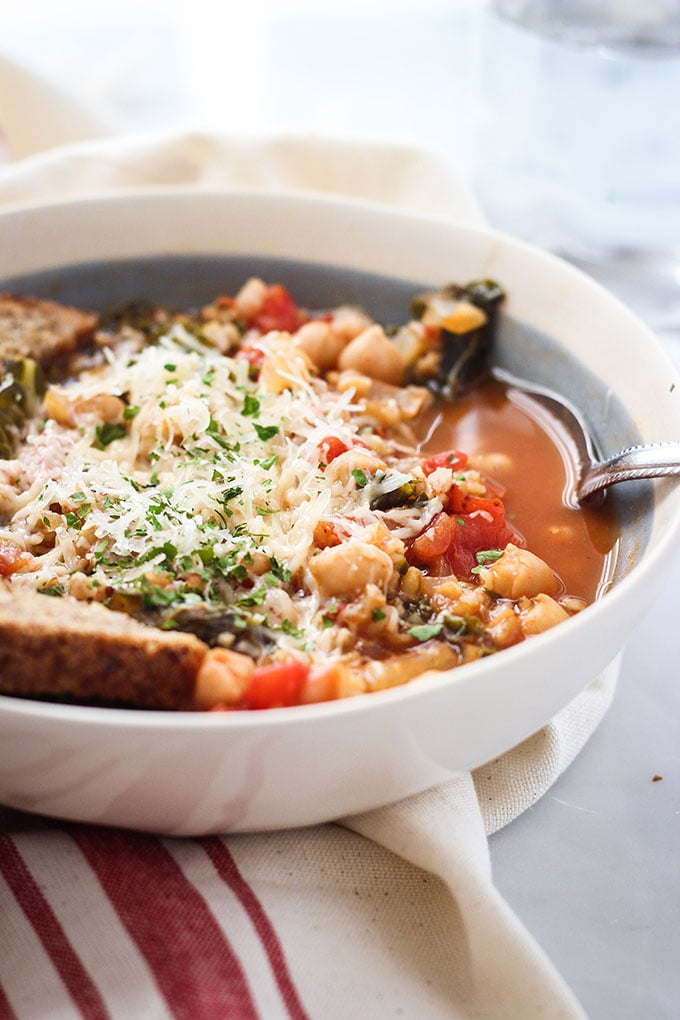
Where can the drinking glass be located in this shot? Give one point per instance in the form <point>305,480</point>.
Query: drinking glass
<point>579,144</point>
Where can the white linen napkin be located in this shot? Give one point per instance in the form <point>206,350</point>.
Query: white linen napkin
<point>35,115</point>
<point>392,912</point>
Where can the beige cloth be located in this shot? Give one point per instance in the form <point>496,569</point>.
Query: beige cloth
<point>366,932</point>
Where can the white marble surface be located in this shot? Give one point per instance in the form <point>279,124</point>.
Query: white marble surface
<point>592,868</point>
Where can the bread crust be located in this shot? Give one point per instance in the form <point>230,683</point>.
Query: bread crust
<point>56,648</point>
<point>42,330</point>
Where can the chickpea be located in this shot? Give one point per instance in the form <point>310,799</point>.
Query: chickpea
<point>261,562</point>
<point>249,299</point>
<point>492,463</point>
<point>372,354</point>
<point>351,380</point>
<point>222,678</point>
<point>504,627</point>
<point>104,406</point>
<point>325,682</point>
<point>320,343</point>
<point>286,367</point>
<point>519,572</point>
<point>411,583</point>
<point>346,569</point>
<point>340,469</point>
<point>57,407</point>
<point>540,614</point>
<point>222,335</point>
<point>86,589</point>
<point>349,322</point>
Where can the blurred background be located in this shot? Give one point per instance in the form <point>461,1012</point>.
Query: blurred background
<point>561,116</point>
<point>399,70</point>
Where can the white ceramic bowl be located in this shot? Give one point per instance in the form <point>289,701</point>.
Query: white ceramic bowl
<point>196,773</point>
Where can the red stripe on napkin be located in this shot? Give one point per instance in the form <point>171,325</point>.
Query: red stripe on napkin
<point>226,868</point>
<point>50,932</point>
<point>193,964</point>
<point>6,1011</point>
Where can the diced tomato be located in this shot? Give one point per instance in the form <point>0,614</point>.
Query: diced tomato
<point>275,686</point>
<point>326,535</point>
<point>12,558</point>
<point>278,311</point>
<point>253,355</point>
<point>434,541</point>
<point>460,502</point>
<point>331,447</point>
<point>452,540</point>
<point>453,459</point>
<point>473,534</point>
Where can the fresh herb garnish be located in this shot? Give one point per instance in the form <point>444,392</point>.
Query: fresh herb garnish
<point>265,432</point>
<point>425,631</point>
<point>107,433</point>
<point>485,556</point>
<point>288,627</point>
<point>251,406</point>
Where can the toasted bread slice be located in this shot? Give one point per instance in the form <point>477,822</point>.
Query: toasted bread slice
<point>42,330</point>
<point>59,648</point>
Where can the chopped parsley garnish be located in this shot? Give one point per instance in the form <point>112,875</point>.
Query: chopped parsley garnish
<point>213,430</point>
<point>485,556</point>
<point>253,598</point>
<point>107,433</point>
<point>425,631</point>
<point>232,493</point>
<point>156,597</point>
<point>265,432</point>
<point>167,551</point>
<point>288,627</point>
<point>359,477</point>
<point>278,570</point>
<point>131,412</point>
<point>268,463</point>
<point>76,519</point>
<point>251,406</point>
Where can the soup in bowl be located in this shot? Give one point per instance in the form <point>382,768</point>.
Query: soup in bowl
<point>379,641</point>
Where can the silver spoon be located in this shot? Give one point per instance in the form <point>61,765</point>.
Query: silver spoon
<point>592,475</point>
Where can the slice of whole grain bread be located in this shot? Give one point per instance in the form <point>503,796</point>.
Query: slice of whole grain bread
<point>62,648</point>
<point>42,330</point>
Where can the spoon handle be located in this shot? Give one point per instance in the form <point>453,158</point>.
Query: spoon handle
<point>653,461</point>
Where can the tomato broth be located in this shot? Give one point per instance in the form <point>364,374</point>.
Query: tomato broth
<point>516,444</point>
